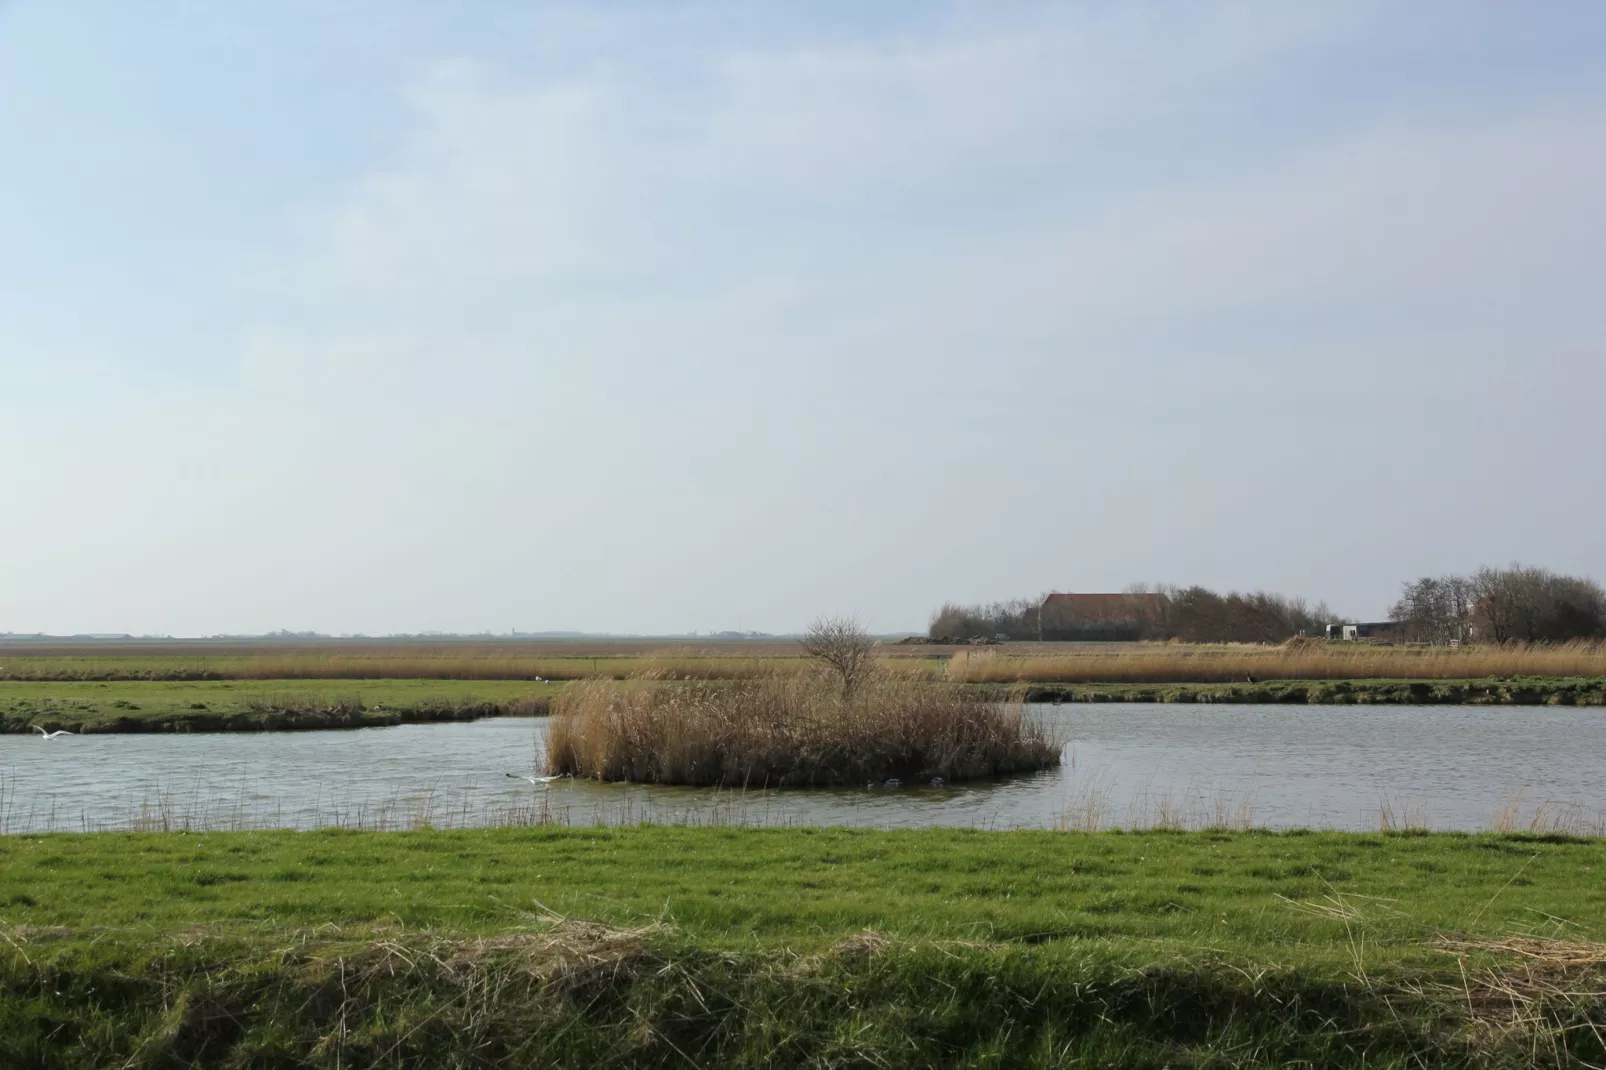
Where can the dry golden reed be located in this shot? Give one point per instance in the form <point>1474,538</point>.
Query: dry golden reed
<point>790,729</point>
<point>1182,663</point>
<point>1112,663</point>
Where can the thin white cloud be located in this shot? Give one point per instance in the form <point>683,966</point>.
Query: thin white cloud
<point>863,324</point>
<point>577,231</point>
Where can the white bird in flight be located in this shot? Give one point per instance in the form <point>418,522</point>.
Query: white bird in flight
<point>537,779</point>
<point>50,735</point>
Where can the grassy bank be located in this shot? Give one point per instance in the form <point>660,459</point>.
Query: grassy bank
<point>1519,691</point>
<point>679,946</point>
<point>256,705</point>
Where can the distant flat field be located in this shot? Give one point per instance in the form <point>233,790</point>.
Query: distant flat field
<point>141,705</point>
<point>380,660</point>
<point>599,647</point>
<point>336,659</point>
<point>1008,663</point>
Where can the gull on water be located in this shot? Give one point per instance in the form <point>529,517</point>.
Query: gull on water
<point>538,779</point>
<point>50,735</point>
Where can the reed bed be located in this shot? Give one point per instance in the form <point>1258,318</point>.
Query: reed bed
<point>791,730</point>
<point>685,665</point>
<point>1140,663</point>
<point>1295,660</point>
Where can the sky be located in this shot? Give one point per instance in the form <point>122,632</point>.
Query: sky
<point>377,317</point>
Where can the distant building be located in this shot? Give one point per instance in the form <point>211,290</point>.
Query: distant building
<point>1108,617</point>
<point>1382,629</point>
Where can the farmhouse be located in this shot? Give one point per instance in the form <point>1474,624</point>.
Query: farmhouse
<point>1110,617</point>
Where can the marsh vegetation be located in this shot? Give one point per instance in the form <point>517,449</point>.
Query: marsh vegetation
<point>792,730</point>
<point>1295,660</point>
<point>260,705</point>
<point>843,720</point>
<point>465,667</point>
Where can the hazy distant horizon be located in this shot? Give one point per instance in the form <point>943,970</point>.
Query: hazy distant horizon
<point>516,633</point>
<point>396,317</point>
<point>288,634</point>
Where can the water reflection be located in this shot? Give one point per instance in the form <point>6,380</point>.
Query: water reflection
<point>1126,765</point>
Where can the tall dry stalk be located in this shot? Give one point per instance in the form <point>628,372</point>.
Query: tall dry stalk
<point>1182,663</point>
<point>783,730</point>
<point>682,665</point>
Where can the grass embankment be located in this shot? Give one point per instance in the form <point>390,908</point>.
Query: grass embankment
<point>791,730</point>
<point>1517,691</point>
<point>703,947</point>
<point>259,705</point>
<point>248,706</point>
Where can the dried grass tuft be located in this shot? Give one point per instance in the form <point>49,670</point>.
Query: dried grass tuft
<point>787,730</point>
<point>1548,995</point>
<point>861,945</point>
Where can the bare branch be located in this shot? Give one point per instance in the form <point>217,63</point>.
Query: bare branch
<point>842,644</point>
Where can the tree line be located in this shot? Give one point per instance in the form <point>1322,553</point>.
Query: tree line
<point>1192,614</point>
<point>1501,605</point>
<point>1514,604</point>
<point>1014,619</point>
<point>1200,615</point>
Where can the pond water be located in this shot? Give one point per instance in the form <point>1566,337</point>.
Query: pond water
<point>1126,765</point>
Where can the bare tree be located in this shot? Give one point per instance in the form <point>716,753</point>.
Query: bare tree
<point>1516,604</point>
<point>843,645</point>
<point>1433,609</point>
<point>1536,605</point>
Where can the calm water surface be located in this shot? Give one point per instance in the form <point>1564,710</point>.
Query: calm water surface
<point>1125,764</point>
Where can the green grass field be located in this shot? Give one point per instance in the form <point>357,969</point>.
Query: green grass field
<point>137,705</point>
<point>253,704</point>
<point>684,946</point>
<point>465,666</point>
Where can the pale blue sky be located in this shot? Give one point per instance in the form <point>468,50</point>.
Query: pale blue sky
<point>379,316</point>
